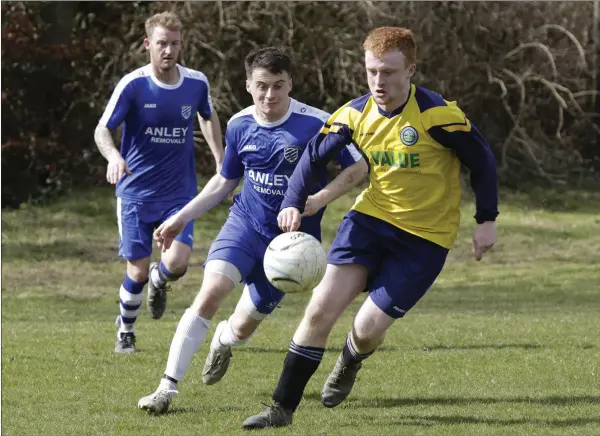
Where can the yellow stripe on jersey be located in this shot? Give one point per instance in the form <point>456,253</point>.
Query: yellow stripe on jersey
<point>335,128</point>
<point>458,127</point>
<point>450,118</point>
<point>345,115</point>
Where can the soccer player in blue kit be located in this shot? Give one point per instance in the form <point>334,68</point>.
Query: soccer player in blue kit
<point>264,143</point>
<point>395,240</point>
<point>154,170</point>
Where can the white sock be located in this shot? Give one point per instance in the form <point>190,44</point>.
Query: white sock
<point>156,278</point>
<point>227,337</point>
<point>167,385</point>
<point>190,334</point>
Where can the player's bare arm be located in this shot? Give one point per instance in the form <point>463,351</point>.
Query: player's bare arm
<point>116,167</point>
<point>347,179</point>
<point>211,129</point>
<point>217,189</point>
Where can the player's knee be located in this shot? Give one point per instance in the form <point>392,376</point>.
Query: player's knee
<point>138,275</point>
<point>176,267</point>
<point>246,317</point>
<point>367,333</point>
<point>209,300</point>
<point>318,317</point>
<point>206,306</point>
<point>137,269</point>
<point>365,341</point>
<point>242,331</point>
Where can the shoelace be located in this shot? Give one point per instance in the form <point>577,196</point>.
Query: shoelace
<point>164,288</point>
<point>342,373</point>
<point>271,408</point>
<point>165,393</point>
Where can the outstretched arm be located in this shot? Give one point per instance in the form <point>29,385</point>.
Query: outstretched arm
<point>215,191</point>
<point>217,188</point>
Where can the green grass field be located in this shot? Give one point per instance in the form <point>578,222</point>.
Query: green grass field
<point>507,346</point>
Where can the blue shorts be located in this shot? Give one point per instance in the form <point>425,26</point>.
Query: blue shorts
<point>137,221</point>
<point>402,266</point>
<point>239,244</point>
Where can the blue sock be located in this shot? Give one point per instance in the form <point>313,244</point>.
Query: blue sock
<point>162,275</point>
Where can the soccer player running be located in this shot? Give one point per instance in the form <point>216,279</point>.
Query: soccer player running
<point>264,143</point>
<point>395,239</point>
<point>154,170</point>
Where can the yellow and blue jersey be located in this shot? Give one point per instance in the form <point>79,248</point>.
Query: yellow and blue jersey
<point>414,154</point>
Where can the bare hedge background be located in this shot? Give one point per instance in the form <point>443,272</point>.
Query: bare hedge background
<point>525,73</point>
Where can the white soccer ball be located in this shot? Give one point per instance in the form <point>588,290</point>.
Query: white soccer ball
<point>295,262</point>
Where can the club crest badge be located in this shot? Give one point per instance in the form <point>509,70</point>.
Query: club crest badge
<point>186,111</point>
<point>291,154</point>
<point>409,136</point>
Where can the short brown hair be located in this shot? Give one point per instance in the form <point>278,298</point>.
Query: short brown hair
<point>383,39</point>
<point>168,20</point>
<point>272,59</point>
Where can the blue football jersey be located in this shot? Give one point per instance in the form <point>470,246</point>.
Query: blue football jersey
<point>266,155</point>
<point>158,133</point>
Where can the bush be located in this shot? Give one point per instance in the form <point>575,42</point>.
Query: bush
<point>524,72</point>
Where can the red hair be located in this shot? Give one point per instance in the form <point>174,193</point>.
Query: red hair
<point>384,39</point>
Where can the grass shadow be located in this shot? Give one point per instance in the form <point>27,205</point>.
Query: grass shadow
<point>184,410</point>
<point>482,347</point>
<point>177,410</point>
<point>376,402</point>
<point>429,420</point>
<point>267,350</point>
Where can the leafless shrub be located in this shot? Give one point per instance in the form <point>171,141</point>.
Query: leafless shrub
<point>524,72</point>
